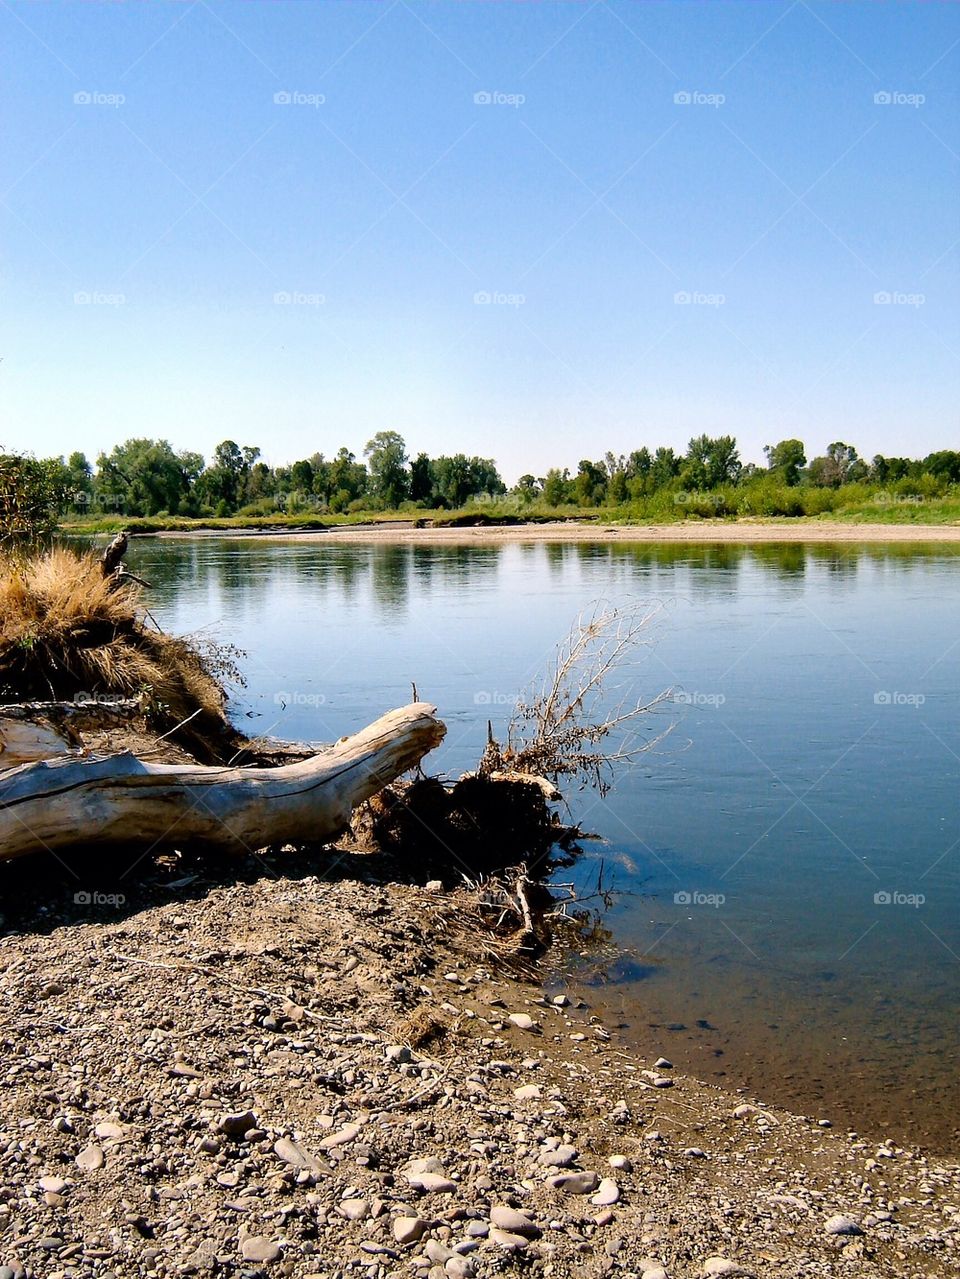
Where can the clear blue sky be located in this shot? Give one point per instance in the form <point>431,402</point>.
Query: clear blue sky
<point>583,197</point>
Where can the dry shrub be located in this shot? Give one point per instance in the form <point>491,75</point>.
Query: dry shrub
<point>68,633</point>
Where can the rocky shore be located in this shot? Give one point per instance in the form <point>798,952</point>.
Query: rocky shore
<point>310,1072</point>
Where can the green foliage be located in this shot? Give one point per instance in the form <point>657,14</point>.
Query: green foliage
<point>32,495</point>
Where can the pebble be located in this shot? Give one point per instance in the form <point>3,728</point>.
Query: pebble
<point>342,1137</point>
<point>431,1182</point>
<point>621,1163</point>
<point>560,1001</point>
<point>353,1209</point>
<point>574,1183</point>
<point>719,1266</point>
<point>514,1222</point>
<point>90,1159</point>
<point>259,1248</point>
<point>54,1185</point>
<point>561,1157</point>
<point>523,1021</point>
<point>841,1225</point>
<point>409,1229</point>
<point>458,1267</point>
<point>527,1092</point>
<point>236,1123</point>
<point>662,1064</point>
<point>509,1241</point>
<point>608,1193</point>
<point>694,1152</point>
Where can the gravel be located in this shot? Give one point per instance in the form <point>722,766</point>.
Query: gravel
<point>271,1076</point>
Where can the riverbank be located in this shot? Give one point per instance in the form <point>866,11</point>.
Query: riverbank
<point>300,1068</point>
<point>741,531</point>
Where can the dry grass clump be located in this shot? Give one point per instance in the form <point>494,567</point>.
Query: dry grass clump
<point>68,633</point>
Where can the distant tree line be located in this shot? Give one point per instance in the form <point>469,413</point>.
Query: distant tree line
<point>149,478</point>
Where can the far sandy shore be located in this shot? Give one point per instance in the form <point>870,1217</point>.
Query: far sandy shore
<point>743,531</point>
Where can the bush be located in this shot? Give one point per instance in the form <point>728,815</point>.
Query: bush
<point>32,495</point>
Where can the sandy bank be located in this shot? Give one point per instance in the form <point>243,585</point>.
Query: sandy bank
<point>697,532</point>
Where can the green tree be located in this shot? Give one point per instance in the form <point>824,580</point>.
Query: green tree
<point>840,465</point>
<point>145,477</point>
<point>386,456</point>
<point>786,458</point>
<point>32,495</point>
<point>557,487</point>
<point>421,478</point>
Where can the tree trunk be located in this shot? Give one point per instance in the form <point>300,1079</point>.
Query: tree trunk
<point>121,802</point>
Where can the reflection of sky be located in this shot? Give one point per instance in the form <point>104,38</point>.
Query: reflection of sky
<point>786,786</point>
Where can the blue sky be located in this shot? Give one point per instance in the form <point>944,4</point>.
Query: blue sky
<point>297,223</point>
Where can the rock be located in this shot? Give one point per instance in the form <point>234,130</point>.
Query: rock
<point>841,1225</point>
<point>477,1229</point>
<point>574,1183</point>
<point>437,1252</point>
<point>655,1272</point>
<point>432,1182</point>
<point>511,1242</point>
<point>621,1163</point>
<point>561,1157</point>
<point>237,1123</point>
<point>434,886</point>
<point>527,1092</point>
<point>662,1081</point>
<point>694,1152</point>
<point>608,1193</point>
<point>718,1266</point>
<point>560,1001</point>
<point>108,1131</point>
<point>523,1021</point>
<point>430,1164</point>
<point>514,1222</point>
<point>54,1185</point>
<point>458,1267</point>
<point>342,1137</point>
<point>90,1159</point>
<point>259,1248</point>
<point>353,1209</point>
<point>744,1111</point>
<point>291,1153</point>
<point>399,1053</point>
<point>409,1229</point>
<point>662,1064</point>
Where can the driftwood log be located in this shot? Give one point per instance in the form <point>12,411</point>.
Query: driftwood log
<point>121,802</point>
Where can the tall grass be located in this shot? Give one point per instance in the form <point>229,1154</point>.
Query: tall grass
<point>67,633</point>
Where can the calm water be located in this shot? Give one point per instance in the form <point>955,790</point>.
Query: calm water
<point>790,853</point>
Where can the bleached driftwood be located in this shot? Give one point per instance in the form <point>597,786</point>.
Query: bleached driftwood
<point>30,731</point>
<point>120,801</point>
